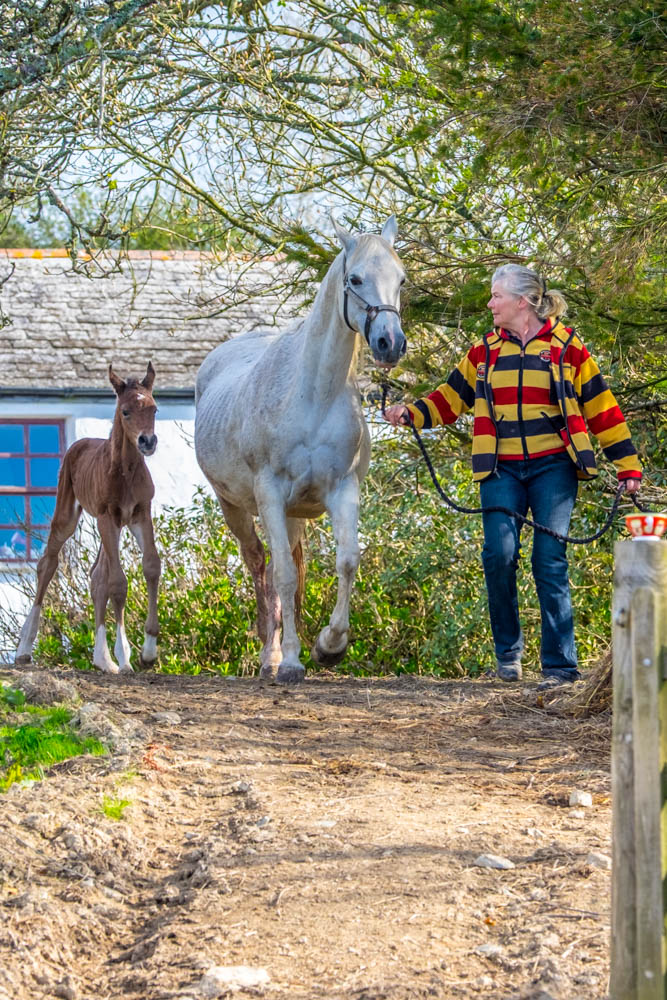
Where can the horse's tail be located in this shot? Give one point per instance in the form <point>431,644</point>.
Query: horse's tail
<point>300,563</point>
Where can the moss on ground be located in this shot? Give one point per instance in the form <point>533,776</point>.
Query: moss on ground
<point>34,737</point>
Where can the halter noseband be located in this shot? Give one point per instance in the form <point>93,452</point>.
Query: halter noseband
<point>371,311</point>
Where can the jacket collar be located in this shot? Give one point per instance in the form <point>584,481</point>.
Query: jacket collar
<point>543,334</point>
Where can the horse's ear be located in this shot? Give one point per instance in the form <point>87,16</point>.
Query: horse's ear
<point>389,230</point>
<point>117,383</point>
<point>149,377</point>
<point>346,240</point>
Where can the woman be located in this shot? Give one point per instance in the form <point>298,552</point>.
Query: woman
<point>534,389</point>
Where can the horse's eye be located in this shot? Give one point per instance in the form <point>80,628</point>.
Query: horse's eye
<point>402,281</point>
<point>355,279</point>
<point>126,413</point>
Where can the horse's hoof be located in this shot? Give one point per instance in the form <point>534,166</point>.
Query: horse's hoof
<point>323,658</point>
<point>146,664</point>
<point>107,668</point>
<point>267,672</point>
<point>126,669</point>
<point>290,675</point>
<point>23,660</point>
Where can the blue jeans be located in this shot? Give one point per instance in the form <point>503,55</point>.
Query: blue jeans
<point>548,488</point>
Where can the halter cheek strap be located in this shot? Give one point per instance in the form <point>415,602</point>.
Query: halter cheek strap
<point>372,312</point>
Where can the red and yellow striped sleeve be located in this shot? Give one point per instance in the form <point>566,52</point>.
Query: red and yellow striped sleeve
<point>603,414</point>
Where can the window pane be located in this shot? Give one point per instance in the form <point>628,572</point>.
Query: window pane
<point>44,471</point>
<point>11,437</point>
<point>38,540</point>
<point>12,510</point>
<point>41,509</point>
<point>44,438</point>
<point>12,471</point>
<point>12,544</point>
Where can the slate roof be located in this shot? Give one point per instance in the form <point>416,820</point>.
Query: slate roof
<point>169,307</point>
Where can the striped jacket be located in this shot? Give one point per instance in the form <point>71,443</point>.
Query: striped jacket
<point>532,401</point>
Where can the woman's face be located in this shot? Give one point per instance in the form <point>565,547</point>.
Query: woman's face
<point>506,308</point>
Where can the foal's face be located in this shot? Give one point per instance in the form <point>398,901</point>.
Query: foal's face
<point>137,409</point>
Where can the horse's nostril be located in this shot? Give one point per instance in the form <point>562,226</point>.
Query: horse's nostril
<point>382,344</point>
<point>404,347</point>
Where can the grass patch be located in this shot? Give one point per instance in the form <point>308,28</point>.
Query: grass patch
<point>27,747</point>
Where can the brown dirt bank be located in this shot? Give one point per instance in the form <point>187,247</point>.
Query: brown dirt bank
<point>326,834</point>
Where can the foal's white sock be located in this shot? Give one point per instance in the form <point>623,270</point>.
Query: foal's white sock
<point>149,649</point>
<point>101,655</point>
<point>28,635</point>
<point>122,649</point>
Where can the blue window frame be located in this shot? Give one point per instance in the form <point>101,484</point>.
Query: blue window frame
<point>30,455</point>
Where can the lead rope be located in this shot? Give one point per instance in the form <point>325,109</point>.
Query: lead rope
<point>505,510</point>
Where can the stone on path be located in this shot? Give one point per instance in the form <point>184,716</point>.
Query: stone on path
<point>493,861</point>
<point>166,718</point>
<point>41,688</point>
<point>221,978</point>
<point>116,731</point>
<point>595,860</point>
<point>578,798</point>
<point>489,950</point>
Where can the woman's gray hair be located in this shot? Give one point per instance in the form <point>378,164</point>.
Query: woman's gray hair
<point>520,280</point>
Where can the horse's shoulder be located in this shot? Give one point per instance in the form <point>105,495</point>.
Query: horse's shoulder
<point>85,449</point>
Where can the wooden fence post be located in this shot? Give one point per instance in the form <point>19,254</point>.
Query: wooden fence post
<point>639,772</point>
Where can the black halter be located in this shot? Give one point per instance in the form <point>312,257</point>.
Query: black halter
<point>371,311</point>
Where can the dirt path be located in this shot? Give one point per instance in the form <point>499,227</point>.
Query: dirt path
<point>327,835</point>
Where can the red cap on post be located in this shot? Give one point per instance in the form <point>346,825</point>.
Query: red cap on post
<point>646,525</point>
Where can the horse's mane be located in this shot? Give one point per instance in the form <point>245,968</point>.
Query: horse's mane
<point>357,362</point>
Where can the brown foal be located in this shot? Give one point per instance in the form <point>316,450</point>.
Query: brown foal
<point>110,480</point>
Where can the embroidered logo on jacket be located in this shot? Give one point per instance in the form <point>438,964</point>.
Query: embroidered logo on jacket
<point>481,370</point>
<point>545,356</point>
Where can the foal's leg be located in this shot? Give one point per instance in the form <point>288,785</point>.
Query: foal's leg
<point>99,590</point>
<point>242,526</point>
<point>65,519</point>
<point>142,529</point>
<point>110,535</point>
<point>343,506</point>
<point>272,513</point>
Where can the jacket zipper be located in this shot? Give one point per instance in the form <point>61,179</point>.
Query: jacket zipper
<point>524,443</point>
<point>561,393</point>
<point>488,394</point>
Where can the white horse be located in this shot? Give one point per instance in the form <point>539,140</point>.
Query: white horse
<point>280,433</point>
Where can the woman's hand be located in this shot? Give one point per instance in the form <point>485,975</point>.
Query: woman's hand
<point>632,485</point>
<point>397,415</point>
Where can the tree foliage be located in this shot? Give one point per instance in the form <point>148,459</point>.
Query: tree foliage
<point>527,130</point>
<point>495,129</point>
